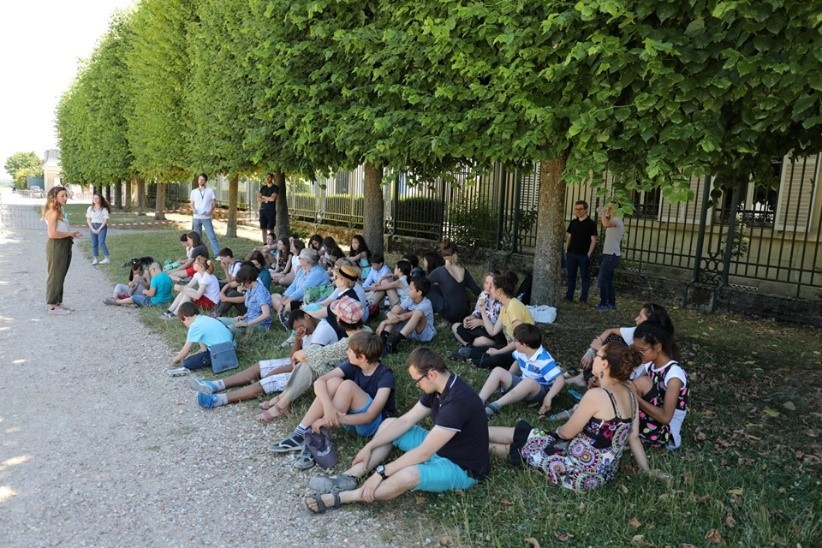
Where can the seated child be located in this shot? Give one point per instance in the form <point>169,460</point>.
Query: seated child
<point>157,294</point>
<point>194,248</point>
<point>412,319</point>
<point>203,289</point>
<point>311,362</point>
<point>534,376</point>
<point>394,287</point>
<point>257,302</point>
<point>137,281</point>
<point>662,389</point>
<point>471,330</point>
<point>379,270</point>
<point>273,375</point>
<point>357,395</point>
<point>203,330</point>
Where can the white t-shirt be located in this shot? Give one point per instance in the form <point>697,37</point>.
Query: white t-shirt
<point>674,372</point>
<point>323,335</point>
<point>97,216</point>
<point>212,285</point>
<point>613,236</point>
<point>203,199</point>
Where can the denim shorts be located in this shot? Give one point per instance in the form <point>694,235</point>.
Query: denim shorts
<point>437,474</point>
<point>364,430</point>
<point>537,398</point>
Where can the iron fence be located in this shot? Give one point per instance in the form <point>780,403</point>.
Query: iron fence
<point>775,227</point>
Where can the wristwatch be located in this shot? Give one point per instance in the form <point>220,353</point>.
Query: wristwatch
<point>381,471</point>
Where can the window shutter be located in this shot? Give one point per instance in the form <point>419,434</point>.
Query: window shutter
<point>795,203</point>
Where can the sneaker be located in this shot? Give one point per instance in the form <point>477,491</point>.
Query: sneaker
<point>332,484</point>
<point>167,315</point>
<point>491,409</point>
<point>110,301</point>
<point>602,307</point>
<point>205,387</point>
<point>464,352</point>
<point>177,372</point>
<point>288,342</point>
<point>206,401</point>
<point>291,443</point>
<point>105,260</point>
<point>285,317</point>
<point>94,262</point>
<point>305,460</point>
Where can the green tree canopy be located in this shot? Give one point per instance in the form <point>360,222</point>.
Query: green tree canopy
<point>21,160</point>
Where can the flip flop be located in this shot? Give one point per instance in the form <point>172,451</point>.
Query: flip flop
<point>321,507</point>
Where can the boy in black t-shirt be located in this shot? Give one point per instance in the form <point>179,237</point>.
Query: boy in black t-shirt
<point>357,395</point>
<point>453,455</point>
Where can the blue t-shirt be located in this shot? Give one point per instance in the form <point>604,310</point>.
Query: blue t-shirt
<point>460,409</point>
<point>162,284</point>
<point>264,277</point>
<point>382,377</point>
<point>255,298</point>
<point>208,331</point>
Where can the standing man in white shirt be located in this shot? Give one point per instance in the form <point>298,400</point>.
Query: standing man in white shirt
<point>203,202</point>
<point>614,229</point>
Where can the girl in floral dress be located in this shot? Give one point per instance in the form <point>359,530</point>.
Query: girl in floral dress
<point>662,388</point>
<point>584,453</point>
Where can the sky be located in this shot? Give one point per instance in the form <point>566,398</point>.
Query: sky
<point>41,42</point>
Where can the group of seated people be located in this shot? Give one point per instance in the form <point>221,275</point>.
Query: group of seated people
<point>636,390</point>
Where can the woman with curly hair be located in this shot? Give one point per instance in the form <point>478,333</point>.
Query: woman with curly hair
<point>584,453</point>
<point>58,248</point>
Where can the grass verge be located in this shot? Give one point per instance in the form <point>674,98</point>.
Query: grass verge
<point>748,472</point>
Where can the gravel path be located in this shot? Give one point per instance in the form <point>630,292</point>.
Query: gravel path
<point>99,447</point>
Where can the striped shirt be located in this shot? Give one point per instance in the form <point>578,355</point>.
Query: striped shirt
<point>540,367</point>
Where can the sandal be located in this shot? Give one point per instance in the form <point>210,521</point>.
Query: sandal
<point>321,507</point>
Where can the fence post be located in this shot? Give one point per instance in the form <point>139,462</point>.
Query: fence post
<point>700,239</point>
<point>497,183</point>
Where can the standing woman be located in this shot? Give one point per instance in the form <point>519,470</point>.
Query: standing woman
<point>58,248</point>
<point>97,219</point>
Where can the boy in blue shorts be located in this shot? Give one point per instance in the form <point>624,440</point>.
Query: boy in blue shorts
<point>452,455</point>
<point>412,319</point>
<point>534,376</point>
<point>357,395</point>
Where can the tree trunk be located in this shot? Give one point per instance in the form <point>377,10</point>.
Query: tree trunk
<point>128,195</point>
<point>547,288</point>
<point>108,193</point>
<point>233,187</point>
<point>141,196</point>
<point>118,195</point>
<point>373,209</point>
<point>283,225</point>
<point>160,206</point>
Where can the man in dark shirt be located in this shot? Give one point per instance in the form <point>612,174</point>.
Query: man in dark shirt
<point>453,455</point>
<point>580,241</point>
<point>268,205</point>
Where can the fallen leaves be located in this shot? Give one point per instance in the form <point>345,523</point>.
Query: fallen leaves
<point>635,523</point>
<point>789,405</point>
<point>714,536</point>
<point>532,541</point>
<point>730,521</point>
<point>563,536</point>
<point>771,412</point>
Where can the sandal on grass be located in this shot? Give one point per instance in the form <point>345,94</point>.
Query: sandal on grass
<point>321,507</point>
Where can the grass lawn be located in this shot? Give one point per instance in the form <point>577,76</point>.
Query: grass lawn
<point>747,474</point>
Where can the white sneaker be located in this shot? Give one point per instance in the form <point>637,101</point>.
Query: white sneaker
<point>94,262</point>
<point>105,260</point>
